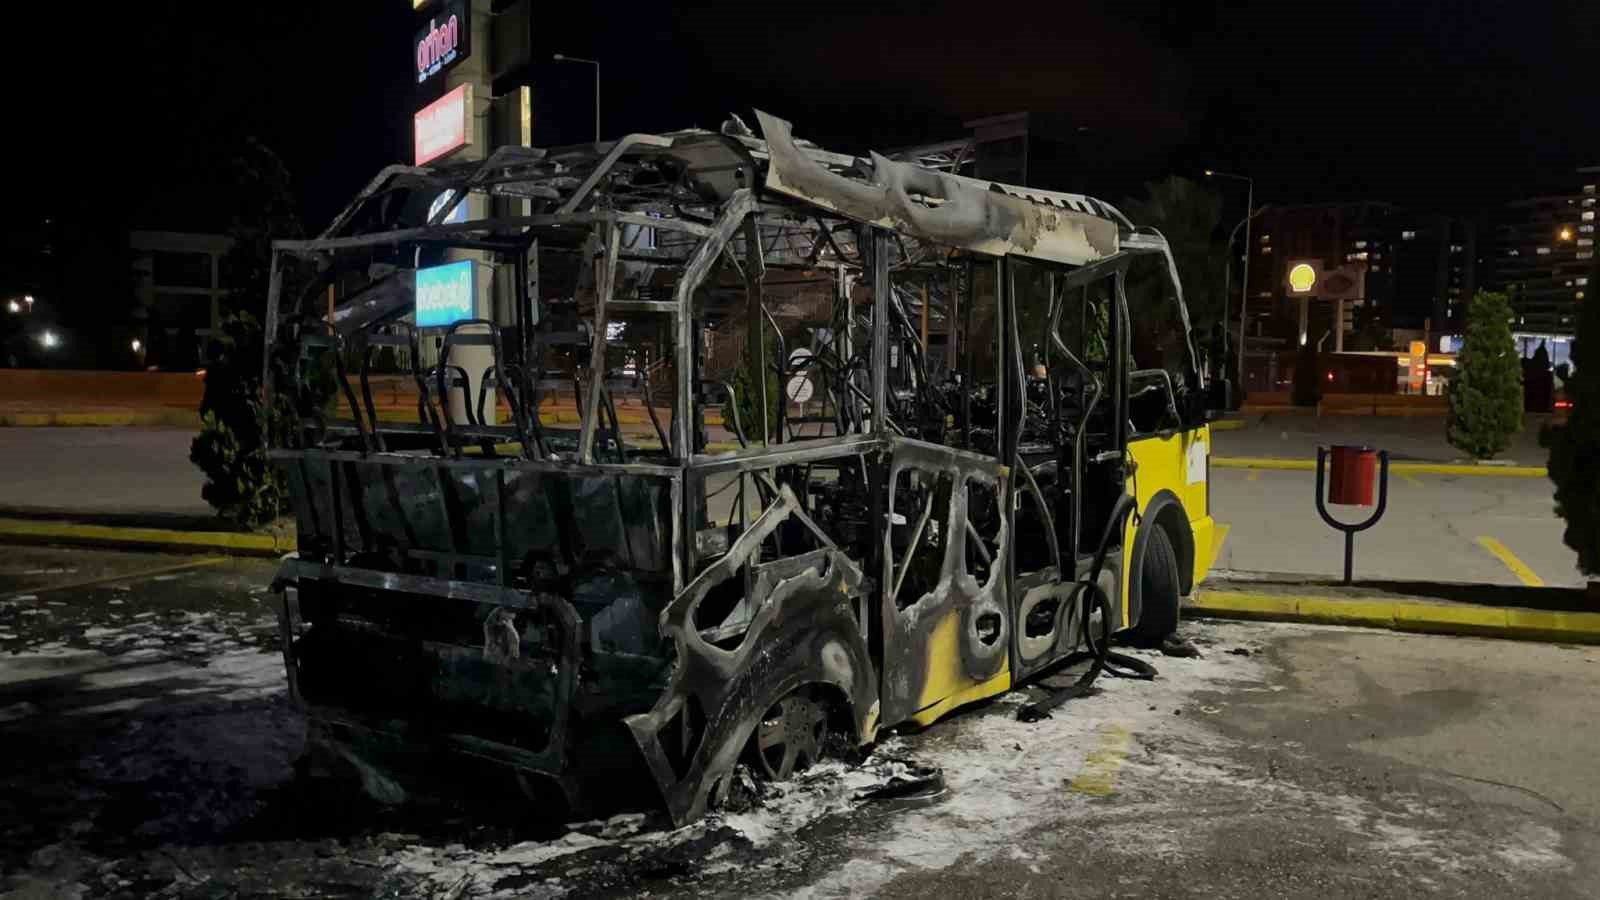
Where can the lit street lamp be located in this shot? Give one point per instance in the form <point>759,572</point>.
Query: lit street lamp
<point>48,340</point>
<point>1566,233</point>
<point>561,57</point>
<point>14,306</point>
<point>136,345</point>
<point>1244,287</point>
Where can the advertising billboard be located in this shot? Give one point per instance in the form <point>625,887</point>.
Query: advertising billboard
<point>445,41</point>
<point>446,294</point>
<point>444,126</point>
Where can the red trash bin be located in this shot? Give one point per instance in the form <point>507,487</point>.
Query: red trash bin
<point>1352,473</point>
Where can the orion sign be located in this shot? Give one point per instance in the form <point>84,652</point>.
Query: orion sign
<point>445,41</point>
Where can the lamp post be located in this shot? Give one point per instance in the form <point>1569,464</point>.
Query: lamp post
<point>562,57</point>
<point>1244,278</point>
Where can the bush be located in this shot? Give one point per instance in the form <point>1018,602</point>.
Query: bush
<point>1486,393</point>
<point>1307,378</point>
<point>231,449</point>
<point>746,382</point>
<point>1575,447</point>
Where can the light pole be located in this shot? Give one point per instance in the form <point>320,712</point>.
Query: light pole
<point>562,57</point>
<point>1244,277</point>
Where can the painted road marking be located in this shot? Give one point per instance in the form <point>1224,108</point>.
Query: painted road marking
<point>1518,567</point>
<point>163,571</point>
<point>1255,475</point>
<point>1098,777</point>
<point>1410,479</point>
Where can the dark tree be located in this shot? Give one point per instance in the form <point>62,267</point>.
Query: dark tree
<point>231,447</point>
<point>1307,377</point>
<point>1188,215</point>
<point>1575,446</point>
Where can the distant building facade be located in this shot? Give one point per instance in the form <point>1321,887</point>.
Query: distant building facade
<point>1543,256</point>
<point>178,286</point>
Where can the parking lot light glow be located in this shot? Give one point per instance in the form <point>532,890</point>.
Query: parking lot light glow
<point>14,306</point>
<point>49,340</point>
<point>136,345</point>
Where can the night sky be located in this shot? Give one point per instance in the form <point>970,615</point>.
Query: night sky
<point>1446,106</point>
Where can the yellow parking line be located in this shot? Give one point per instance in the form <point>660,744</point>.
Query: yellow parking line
<point>1410,479</point>
<point>1517,566</point>
<point>124,576</point>
<point>1098,777</point>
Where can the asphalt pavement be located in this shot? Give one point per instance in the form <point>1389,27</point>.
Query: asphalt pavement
<point>150,749</point>
<point>1478,529</point>
<point>107,472</point>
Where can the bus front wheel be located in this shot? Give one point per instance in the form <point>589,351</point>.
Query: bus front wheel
<point>1158,590</point>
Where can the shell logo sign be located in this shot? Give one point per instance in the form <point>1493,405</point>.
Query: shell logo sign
<point>1302,278</point>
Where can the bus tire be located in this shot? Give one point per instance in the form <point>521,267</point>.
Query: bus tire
<point>1158,590</point>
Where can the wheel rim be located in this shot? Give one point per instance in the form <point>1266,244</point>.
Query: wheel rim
<point>790,736</point>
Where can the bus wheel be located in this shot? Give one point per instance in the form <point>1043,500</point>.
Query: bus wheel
<point>790,736</point>
<point>1158,591</point>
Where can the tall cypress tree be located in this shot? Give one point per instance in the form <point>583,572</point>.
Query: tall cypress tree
<point>1486,393</point>
<point>1575,446</point>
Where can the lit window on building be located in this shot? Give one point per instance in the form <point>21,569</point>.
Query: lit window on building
<point>1456,248</point>
<point>1542,251</point>
<point>1266,239</point>
<point>1586,254</point>
<point>1583,280</point>
<point>1586,229</point>
<point>1588,188</point>
<point>1585,242</point>
<point>1360,244</point>
<point>1408,235</point>
<point>1588,215</point>
<point>1513,252</point>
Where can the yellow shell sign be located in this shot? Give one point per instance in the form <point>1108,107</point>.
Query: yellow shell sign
<point>1302,278</point>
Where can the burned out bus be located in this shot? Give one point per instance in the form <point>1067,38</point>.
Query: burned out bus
<point>898,439</point>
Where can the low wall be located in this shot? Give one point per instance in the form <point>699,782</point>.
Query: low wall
<point>66,389</point>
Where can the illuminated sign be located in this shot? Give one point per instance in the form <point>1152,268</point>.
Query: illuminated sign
<point>444,126</point>
<point>457,215</point>
<point>1302,278</point>
<point>447,294</point>
<point>445,41</point>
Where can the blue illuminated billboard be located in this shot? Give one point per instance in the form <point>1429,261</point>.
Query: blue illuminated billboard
<point>446,294</point>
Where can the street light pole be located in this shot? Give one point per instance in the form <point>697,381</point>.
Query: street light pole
<point>561,57</point>
<point>1244,277</point>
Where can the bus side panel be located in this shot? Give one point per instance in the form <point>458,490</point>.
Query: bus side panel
<point>1177,465</point>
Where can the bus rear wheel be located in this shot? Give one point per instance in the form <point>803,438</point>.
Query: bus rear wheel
<point>790,737</point>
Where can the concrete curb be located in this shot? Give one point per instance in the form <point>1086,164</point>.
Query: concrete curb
<point>166,418</point>
<point>1402,615</point>
<point>21,531</point>
<point>1410,468</point>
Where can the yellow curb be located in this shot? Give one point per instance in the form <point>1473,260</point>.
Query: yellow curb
<point>71,533</point>
<point>1227,425</point>
<point>1346,612</point>
<point>1310,465</point>
<point>1235,603</point>
<point>1402,615</point>
<point>1479,620</point>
